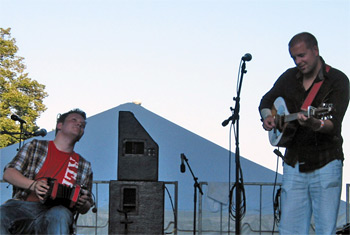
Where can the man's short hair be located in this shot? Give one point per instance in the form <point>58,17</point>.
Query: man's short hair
<point>309,39</point>
<point>62,117</point>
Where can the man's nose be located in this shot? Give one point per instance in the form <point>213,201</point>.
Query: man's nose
<point>297,60</point>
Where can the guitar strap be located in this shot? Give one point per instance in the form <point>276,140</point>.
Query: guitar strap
<point>311,96</point>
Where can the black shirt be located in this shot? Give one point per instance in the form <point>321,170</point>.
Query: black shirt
<point>310,148</point>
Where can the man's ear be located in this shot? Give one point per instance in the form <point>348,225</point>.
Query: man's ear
<point>59,126</point>
<point>315,50</point>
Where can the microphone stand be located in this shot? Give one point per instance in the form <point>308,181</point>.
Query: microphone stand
<point>235,120</point>
<point>196,185</point>
<point>22,135</point>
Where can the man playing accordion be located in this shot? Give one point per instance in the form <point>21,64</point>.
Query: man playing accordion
<point>44,175</point>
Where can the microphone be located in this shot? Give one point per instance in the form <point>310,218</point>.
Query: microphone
<point>224,123</point>
<point>247,57</point>
<point>41,132</point>
<point>278,153</point>
<point>182,166</point>
<point>16,118</point>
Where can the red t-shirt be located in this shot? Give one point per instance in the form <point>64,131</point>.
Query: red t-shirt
<point>59,165</point>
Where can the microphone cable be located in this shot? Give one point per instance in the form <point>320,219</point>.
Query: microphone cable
<point>236,186</point>
<point>276,196</point>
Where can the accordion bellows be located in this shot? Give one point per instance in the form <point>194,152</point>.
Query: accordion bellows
<point>59,194</point>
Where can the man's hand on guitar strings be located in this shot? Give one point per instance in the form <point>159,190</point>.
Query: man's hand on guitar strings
<point>269,123</point>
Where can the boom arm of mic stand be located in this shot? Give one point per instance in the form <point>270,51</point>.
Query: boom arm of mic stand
<point>194,177</point>
<point>26,134</point>
<point>12,134</point>
<point>9,133</point>
<point>196,185</point>
<point>235,116</point>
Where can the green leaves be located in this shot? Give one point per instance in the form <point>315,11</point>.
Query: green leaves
<point>19,94</point>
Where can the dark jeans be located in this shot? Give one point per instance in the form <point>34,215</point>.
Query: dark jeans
<point>34,218</point>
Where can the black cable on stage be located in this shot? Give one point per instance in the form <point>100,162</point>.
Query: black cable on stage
<point>276,197</point>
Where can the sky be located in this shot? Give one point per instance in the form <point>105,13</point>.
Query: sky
<point>179,58</point>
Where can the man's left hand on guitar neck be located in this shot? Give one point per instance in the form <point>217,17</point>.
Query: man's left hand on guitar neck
<point>315,124</point>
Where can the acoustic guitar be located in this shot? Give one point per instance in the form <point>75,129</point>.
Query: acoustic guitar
<point>285,129</point>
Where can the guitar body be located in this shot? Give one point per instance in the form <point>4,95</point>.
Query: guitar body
<point>283,134</point>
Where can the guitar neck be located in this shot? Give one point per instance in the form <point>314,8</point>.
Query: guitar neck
<point>293,116</point>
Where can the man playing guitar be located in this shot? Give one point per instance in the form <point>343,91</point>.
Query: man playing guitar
<point>312,171</point>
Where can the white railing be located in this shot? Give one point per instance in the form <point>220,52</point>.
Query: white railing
<point>98,224</point>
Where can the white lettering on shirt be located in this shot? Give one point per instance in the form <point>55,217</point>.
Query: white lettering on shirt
<point>71,173</point>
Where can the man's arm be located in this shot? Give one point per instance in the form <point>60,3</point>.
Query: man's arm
<point>16,178</point>
<point>323,126</point>
<point>267,119</point>
<point>84,203</point>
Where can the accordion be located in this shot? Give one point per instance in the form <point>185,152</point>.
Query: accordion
<point>59,194</point>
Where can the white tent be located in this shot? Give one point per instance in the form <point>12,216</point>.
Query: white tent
<point>209,162</point>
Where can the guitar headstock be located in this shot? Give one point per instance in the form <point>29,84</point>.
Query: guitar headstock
<point>322,112</point>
